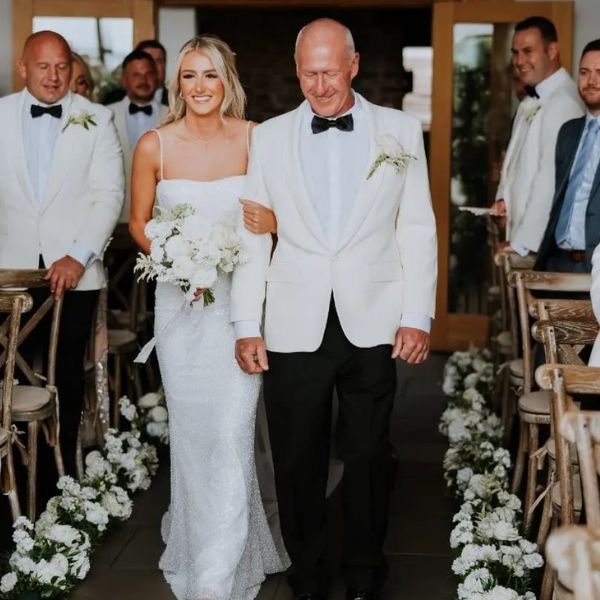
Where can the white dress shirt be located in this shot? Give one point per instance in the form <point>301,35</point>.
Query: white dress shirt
<point>334,163</point>
<point>576,232</point>
<point>140,122</point>
<point>39,138</point>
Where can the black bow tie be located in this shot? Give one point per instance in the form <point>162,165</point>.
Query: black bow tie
<point>53,111</point>
<point>530,91</point>
<point>134,108</point>
<point>320,124</point>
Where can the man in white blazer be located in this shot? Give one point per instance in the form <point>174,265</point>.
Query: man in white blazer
<point>350,286</point>
<point>137,112</point>
<point>61,190</point>
<point>527,180</point>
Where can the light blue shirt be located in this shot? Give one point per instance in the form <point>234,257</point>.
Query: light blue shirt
<point>575,239</point>
<point>39,138</point>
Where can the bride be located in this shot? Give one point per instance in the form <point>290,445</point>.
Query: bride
<point>218,542</point>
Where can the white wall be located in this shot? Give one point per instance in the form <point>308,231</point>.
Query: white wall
<point>6,60</point>
<point>175,27</point>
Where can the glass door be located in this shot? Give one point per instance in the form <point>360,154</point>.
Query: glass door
<point>474,100</point>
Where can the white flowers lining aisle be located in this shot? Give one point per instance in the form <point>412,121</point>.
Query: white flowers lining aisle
<point>494,561</point>
<point>53,555</point>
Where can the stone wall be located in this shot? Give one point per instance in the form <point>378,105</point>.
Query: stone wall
<point>264,42</point>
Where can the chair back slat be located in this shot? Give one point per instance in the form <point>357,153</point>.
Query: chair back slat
<point>576,427</point>
<point>23,278</point>
<point>12,305</point>
<point>552,308</point>
<point>553,282</point>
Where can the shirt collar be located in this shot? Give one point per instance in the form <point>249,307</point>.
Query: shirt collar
<point>550,84</point>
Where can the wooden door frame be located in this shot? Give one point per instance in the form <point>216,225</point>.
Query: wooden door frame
<point>143,13</point>
<point>454,331</point>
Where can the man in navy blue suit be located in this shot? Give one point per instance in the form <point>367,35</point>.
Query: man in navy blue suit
<point>573,230</point>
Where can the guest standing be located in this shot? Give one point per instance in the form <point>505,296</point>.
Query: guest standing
<point>61,191</point>
<point>526,186</point>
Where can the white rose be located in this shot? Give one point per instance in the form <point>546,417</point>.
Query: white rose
<point>203,276</point>
<point>176,246</point>
<point>63,534</point>
<point>196,228</point>
<point>149,400</point>
<point>183,267</point>
<point>159,414</point>
<point>8,582</point>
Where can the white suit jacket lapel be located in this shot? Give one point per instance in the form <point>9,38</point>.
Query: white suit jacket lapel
<point>65,149</point>
<point>19,153</point>
<point>121,125</point>
<point>369,188</point>
<point>295,177</point>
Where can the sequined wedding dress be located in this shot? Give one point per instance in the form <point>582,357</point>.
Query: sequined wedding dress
<point>218,542</point>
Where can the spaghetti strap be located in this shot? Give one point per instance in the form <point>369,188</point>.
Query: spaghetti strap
<point>248,136</point>
<point>161,152</point>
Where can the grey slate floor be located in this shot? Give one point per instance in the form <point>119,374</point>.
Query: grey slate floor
<point>125,566</point>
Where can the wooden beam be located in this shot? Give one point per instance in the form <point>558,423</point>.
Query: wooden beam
<point>300,3</point>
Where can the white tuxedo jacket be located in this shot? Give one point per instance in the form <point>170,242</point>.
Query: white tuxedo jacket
<point>83,195</point>
<point>528,179</point>
<point>120,110</point>
<point>385,261</point>
<point>595,294</point>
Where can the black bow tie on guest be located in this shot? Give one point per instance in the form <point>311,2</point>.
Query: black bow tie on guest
<point>320,124</point>
<point>530,91</point>
<point>53,111</point>
<point>134,108</point>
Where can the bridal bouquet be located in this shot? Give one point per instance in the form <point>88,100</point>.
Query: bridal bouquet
<point>189,251</point>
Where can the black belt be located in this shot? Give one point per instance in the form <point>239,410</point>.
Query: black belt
<point>574,255</point>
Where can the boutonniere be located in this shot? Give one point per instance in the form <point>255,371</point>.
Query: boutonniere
<point>531,111</point>
<point>391,152</point>
<point>85,119</point>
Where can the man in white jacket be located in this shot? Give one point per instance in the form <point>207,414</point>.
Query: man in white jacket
<point>527,183</point>
<point>61,190</point>
<point>350,286</point>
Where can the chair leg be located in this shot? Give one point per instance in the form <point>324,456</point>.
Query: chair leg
<point>547,589</point>
<point>546,520</point>
<point>532,468</point>
<point>10,484</point>
<point>32,450</point>
<point>117,391</point>
<point>520,459</point>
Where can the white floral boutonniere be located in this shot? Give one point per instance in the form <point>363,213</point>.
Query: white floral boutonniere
<point>85,119</point>
<point>390,151</point>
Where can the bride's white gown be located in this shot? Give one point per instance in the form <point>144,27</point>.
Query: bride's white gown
<point>218,542</point>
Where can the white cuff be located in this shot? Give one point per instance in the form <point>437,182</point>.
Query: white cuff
<point>519,249</point>
<point>416,321</point>
<point>80,254</point>
<point>246,329</point>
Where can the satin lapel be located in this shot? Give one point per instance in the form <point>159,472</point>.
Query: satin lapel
<point>65,148</point>
<point>369,188</point>
<point>121,125</point>
<point>296,182</point>
<point>19,154</point>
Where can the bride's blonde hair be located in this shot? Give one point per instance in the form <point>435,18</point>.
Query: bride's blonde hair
<point>223,60</point>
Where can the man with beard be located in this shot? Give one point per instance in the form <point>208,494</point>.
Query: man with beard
<point>574,227</point>
<point>137,112</point>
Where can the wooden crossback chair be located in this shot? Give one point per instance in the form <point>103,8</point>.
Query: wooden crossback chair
<point>506,343</point>
<point>570,501</point>
<point>534,406</point>
<point>562,338</point>
<point>12,305</point>
<point>37,402</point>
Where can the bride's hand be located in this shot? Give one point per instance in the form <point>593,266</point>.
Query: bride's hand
<point>198,294</point>
<point>258,218</point>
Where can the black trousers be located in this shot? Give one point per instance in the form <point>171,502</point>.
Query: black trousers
<point>74,332</point>
<point>298,392</point>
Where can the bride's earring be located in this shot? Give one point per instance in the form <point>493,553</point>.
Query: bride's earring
<point>180,95</point>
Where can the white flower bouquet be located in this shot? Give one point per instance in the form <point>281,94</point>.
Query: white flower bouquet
<point>189,251</point>
<point>49,562</point>
<point>150,417</point>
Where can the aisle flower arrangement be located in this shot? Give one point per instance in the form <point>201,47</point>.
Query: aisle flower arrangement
<point>494,561</point>
<point>53,555</point>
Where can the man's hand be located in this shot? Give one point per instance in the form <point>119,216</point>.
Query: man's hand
<point>251,355</point>
<point>499,208</point>
<point>64,274</point>
<point>412,345</point>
